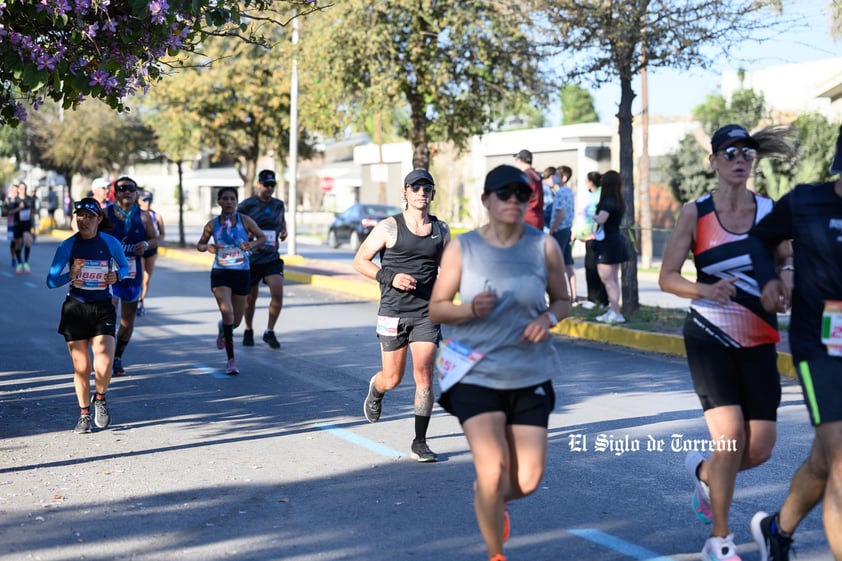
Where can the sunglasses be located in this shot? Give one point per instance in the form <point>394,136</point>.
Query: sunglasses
<point>126,187</point>
<point>506,193</point>
<point>270,184</point>
<point>91,207</point>
<point>427,188</point>
<point>730,153</point>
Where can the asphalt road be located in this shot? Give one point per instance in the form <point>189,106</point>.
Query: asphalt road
<point>279,463</point>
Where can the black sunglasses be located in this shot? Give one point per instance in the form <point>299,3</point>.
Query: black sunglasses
<point>730,153</point>
<point>427,188</point>
<point>126,187</point>
<point>269,184</point>
<point>79,205</point>
<point>505,193</point>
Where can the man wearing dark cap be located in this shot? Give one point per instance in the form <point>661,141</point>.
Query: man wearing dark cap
<point>266,264</point>
<point>811,216</point>
<point>410,245</point>
<point>535,209</point>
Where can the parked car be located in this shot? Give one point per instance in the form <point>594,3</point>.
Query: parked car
<point>354,224</point>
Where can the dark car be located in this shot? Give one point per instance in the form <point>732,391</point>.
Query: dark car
<point>353,225</point>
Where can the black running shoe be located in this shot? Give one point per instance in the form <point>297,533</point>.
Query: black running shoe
<point>270,339</point>
<point>248,338</point>
<point>372,405</point>
<point>421,452</point>
<point>83,425</point>
<point>773,546</point>
<point>101,417</point>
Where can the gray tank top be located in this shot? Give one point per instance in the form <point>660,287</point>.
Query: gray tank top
<point>519,276</point>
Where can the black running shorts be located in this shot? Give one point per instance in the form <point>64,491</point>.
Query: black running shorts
<point>525,406</point>
<point>259,271</point>
<point>236,279</point>
<point>722,375</point>
<point>821,383</point>
<point>81,321</point>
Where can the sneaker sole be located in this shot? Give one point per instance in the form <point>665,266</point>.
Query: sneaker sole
<point>757,534</point>
<point>422,459</point>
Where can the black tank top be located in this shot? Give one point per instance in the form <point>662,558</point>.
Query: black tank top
<point>414,255</point>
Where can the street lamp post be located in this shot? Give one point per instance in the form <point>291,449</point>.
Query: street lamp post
<point>293,146</point>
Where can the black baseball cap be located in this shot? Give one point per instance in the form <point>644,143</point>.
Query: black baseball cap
<point>503,176</point>
<point>727,135</point>
<point>524,155</point>
<point>419,177</point>
<point>266,176</point>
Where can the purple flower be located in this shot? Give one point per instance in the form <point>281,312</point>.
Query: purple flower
<point>98,78</point>
<point>62,6</point>
<point>158,10</point>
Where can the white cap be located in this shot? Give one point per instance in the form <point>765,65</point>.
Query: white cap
<point>100,182</point>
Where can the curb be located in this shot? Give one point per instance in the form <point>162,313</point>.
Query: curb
<point>295,270</point>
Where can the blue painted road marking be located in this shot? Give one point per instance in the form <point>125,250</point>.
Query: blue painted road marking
<point>344,434</point>
<point>620,546</point>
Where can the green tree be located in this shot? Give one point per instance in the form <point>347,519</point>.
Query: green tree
<point>237,94</point>
<point>815,141</point>
<point>90,140</point>
<point>612,40</point>
<point>577,105</point>
<point>453,64</point>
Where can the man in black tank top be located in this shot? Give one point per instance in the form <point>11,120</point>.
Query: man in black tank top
<point>410,246</point>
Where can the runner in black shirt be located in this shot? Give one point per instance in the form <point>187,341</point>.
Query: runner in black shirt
<point>811,216</point>
<point>410,245</point>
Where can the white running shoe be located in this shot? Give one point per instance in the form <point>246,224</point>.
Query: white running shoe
<point>701,495</point>
<point>720,549</point>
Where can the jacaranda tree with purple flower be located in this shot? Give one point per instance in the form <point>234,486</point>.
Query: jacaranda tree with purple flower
<point>69,50</point>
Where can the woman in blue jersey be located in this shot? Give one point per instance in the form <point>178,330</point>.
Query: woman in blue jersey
<point>91,262</point>
<point>729,337</point>
<point>234,235</point>
<point>496,362</point>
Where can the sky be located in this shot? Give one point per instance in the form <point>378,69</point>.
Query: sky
<point>673,93</point>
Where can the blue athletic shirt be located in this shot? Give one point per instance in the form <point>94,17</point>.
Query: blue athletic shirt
<point>811,216</point>
<point>98,255</point>
<point>130,232</point>
<point>230,257</point>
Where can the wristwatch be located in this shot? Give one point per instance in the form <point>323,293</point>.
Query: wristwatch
<point>553,319</point>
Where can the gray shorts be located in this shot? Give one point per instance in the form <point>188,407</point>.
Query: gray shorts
<point>410,330</point>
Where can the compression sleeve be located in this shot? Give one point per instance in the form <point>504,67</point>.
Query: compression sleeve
<point>772,229</point>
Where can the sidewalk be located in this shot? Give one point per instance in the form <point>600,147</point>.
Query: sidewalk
<point>342,278</point>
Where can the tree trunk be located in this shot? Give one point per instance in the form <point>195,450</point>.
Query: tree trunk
<point>628,283</point>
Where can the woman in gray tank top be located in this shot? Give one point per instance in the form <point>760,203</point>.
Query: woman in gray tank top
<point>497,358</point>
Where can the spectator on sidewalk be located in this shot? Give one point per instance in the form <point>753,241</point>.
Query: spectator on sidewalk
<point>504,273</point>
<point>561,224</point>
<point>410,245</point>
<point>535,209</point>
<point>583,230</point>
<point>611,245</point>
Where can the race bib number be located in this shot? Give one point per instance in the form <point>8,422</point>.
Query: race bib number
<point>832,327</point>
<point>387,326</point>
<point>453,361</point>
<point>25,214</point>
<point>132,268</point>
<point>91,275</point>
<point>271,238</point>
<point>230,256</point>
